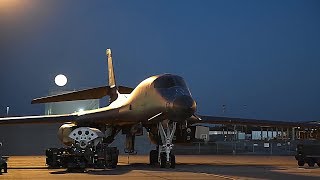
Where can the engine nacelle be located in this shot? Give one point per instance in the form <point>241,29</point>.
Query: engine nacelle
<point>71,134</point>
<point>84,136</point>
<point>64,132</point>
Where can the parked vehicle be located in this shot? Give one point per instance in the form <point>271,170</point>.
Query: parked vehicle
<point>3,163</point>
<point>308,153</point>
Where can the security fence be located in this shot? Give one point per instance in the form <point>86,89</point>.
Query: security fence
<point>240,147</point>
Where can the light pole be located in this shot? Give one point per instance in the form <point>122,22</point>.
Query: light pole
<point>8,110</point>
<point>224,107</point>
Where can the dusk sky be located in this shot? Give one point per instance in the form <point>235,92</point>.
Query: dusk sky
<point>259,58</point>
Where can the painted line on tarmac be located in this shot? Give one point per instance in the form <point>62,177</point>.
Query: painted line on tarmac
<point>220,176</point>
<point>153,175</point>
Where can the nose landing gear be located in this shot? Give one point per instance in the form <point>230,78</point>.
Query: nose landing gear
<point>163,154</point>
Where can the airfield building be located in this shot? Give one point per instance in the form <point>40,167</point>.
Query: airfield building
<point>70,106</point>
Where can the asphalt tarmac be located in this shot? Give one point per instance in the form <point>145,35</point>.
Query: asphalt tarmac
<point>188,167</point>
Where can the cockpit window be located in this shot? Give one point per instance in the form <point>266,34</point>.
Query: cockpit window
<point>180,82</point>
<point>169,81</point>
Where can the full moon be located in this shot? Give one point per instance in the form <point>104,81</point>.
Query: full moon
<point>60,80</point>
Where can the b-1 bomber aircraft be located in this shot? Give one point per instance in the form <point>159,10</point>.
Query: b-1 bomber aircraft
<point>162,104</point>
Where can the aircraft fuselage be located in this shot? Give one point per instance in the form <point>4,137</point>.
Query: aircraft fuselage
<point>166,94</point>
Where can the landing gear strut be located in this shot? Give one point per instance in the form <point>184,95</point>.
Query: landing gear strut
<point>163,154</point>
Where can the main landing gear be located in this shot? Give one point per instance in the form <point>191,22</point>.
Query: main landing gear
<point>163,154</point>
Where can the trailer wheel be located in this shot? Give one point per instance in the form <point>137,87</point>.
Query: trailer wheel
<point>301,163</point>
<point>5,168</point>
<point>311,163</point>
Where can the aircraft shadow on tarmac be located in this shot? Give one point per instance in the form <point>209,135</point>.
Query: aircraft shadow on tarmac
<point>29,167</point>
<point>242,171</point>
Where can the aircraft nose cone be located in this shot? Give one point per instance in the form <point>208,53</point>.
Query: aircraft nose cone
<point>184,105</point>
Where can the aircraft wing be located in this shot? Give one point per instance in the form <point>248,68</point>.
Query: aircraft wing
<point>92,93</point>
<point>102,116</point>
<point>46,119</point>
<point>253,122</point>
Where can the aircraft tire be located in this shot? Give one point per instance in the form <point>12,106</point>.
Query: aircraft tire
<point>311,163</point>
<point>163,160</point>
<point>173,161</point>
<point>153,157</point>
